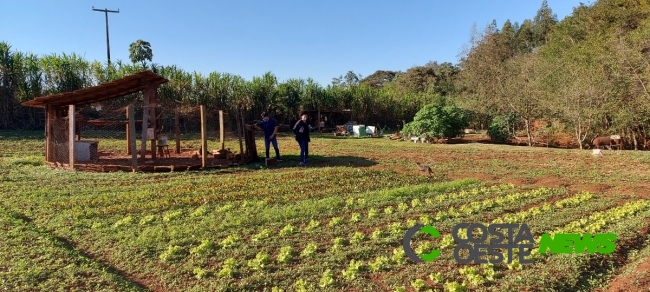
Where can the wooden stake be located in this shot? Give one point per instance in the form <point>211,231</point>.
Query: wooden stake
<point>243,133</point>
<point>152,117</point>
<point>204,139</point>
<point>145,126</point>
<point>49,114</point>
<point>71,132</point>
<point>177,130</point>
<point>132,145</point>
<point>221,130</point>
<point>129,109</point>
<point>239,126</point>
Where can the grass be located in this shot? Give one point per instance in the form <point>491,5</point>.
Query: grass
<point>252,228</point>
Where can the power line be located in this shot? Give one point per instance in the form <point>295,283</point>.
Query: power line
<point>108,47</point>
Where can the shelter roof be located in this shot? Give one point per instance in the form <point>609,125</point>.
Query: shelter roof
<point>114,89</point>
<point>332,110</point>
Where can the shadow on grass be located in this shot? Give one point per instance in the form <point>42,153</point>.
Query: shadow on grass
<point>522,143</point>
<point>22,135</point>
<point>292,161</point>
<point>346,137</point>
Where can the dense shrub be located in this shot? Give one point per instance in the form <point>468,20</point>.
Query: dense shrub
<point>501,128</point>
<point>438,121</point>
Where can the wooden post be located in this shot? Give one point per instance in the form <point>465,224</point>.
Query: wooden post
<point>243,129</point>
<point>72,134</point>
<point>145,120</point>
<point>48,139</point>
<point>221,130</point>
<point>129,109</point>
<point>134,154</point>
<point>238,119</point>
<point>177,130</point>
<point>204,139</point>
<point>152,117</point>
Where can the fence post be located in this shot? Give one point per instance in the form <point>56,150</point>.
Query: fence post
<point>221,130</point>
<point>152,117</point>
<point>177,130</point>
<point>145,126</point>
<point>71,134</point>
<point>204,140</point>
<point>243,133</point>
<point>48,133</point>
<point>238,119</point>
<point>129,109</point>
<point>134,154</point>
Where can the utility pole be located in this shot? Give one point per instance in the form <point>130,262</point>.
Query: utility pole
<point>108,47</point>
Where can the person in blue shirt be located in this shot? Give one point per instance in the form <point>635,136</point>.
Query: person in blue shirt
<point>270,128</point>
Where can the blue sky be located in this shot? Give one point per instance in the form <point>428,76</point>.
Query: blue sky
<point>290,38</point>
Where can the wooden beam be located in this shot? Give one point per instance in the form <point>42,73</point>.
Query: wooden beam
<point>177,130</point>
<point>145,120</point>
<point>71,133</point>
<point>204,138</point>
<point>49,114</point>
<point>240,126</point>
<point>152,116</point>
<point>221,130</point>
<point>132,145</point>
<point>129,110</point>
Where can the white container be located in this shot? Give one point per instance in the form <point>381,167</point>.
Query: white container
<point>85,150</point>
<point>359,130</point>
<point>370,130</point>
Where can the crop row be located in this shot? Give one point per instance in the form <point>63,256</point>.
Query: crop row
<point>315,226</point>
<point>287,253</point>
<point>33,260</point>
<point>262,214</point>
<point>476,278</point>
<point>294,186</point>
<point>571,271</point>
<point>594,223</point>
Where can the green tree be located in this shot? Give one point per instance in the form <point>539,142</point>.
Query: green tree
<point>543,23</point>
<point>140,52</point>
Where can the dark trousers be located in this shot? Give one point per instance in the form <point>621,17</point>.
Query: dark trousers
<point>304,150</point>
<point>268,141</point>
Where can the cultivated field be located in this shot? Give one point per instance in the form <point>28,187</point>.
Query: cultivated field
<point>334,226</point>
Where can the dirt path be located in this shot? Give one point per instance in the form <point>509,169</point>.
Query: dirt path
<point>637,280</point>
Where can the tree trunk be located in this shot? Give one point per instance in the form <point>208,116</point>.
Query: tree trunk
<point>578,134</point>
<point>528,132</point>
<point>634,140</point>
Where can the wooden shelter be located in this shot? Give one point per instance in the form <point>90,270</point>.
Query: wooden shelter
<point>61,131</point>
<point>327,119</point>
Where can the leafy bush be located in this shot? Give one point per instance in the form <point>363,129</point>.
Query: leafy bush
<point>438,121</point>
<point>501,128</point>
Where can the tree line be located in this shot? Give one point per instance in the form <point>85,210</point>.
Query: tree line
<point>586,75</point>
<point>389,101</point>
